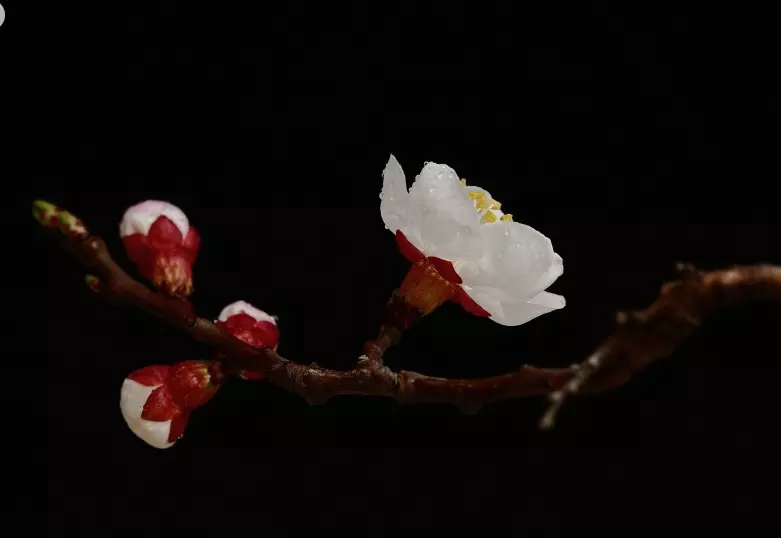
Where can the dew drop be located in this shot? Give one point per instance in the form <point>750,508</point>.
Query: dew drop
<point>380,196</point>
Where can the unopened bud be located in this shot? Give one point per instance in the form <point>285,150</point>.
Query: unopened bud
<point>156,401</point>
<point>252,326</point>
<point>160,241</point>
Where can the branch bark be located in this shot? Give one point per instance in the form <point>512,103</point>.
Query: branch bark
<point>645,336</point>
<point>640,337</point>
<point>314,383</point>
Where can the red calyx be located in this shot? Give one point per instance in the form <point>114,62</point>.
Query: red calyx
<point>252,332</point>
<point>191,384</point>
<point>164,256</point>
<point>151,375</point>
<point>445,270</point>
<point>160,407</point>
<point>181,388</point>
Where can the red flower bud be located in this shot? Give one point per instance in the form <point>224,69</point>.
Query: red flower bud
<point>250,325</point>
<point>160,241</point>
<point>156,401</point>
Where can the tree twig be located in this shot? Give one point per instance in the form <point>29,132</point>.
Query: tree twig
<point>645,336</point>
<point>640,338</point>
<point>314,383</point>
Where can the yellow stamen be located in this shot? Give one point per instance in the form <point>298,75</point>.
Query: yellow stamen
<point>486,205</point>
<point>463,181</point>
<point>488,217</point>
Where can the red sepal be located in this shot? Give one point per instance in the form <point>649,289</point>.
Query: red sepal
<point>445,269</point>
<point>160,406</point>
<point>407,249</point>
<point>178,425</point>
<point>250,331</point>
<point>151,375</point>
<point>190,384</point>
<point>461,297</point>
<point>164,234</point>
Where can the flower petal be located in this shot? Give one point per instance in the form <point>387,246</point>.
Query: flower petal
<point>394,196</point>
<point>448,222</point>
<point>518,260</point>
<point>243,307</point>
<point>140,217</point>
<point>519,313</point>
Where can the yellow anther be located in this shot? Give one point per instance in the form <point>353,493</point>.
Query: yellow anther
<point>495,204</point>
<point>506,218</point>
<point>480,199</point>
<point>488,217</point>
<point>463,181</point>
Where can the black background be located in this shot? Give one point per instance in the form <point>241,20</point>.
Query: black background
<point>633,139</point>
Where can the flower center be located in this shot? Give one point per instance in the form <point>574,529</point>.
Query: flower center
<point>488,208</point>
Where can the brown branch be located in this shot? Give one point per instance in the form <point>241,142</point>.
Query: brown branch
<point>316,384</point>
<point>640,338</point>
<point>645,336</point>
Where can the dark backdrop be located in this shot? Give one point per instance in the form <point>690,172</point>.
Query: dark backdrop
<point>633,139</point>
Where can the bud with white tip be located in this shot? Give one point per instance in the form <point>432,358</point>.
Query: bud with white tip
<point>156,401</point>
<point>252,326</point>
<point>160,241</point>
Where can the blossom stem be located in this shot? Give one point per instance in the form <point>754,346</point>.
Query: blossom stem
<point>424,288</point>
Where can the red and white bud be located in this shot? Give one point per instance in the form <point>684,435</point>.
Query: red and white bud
<point>160,241</point>
<point>156,401</point>
<point>252,326</point>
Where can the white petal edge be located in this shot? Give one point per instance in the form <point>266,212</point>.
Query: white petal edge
<point>243,307</point>
<point>520,274</point>
<point>515,314</point>
<point>140,217</point>
<point>132,398</point>
<point>394,196</point>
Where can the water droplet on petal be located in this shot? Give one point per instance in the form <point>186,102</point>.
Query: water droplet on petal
<point>380,196</point>
<point>386,227</point>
